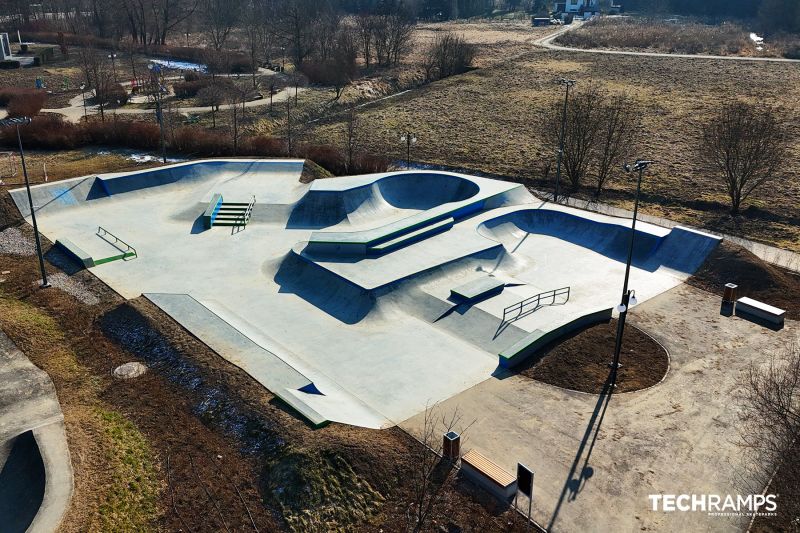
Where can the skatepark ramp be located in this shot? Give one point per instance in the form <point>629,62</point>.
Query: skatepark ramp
<point>383,198</point>
<point>681,250</point>
<point>22,482</point>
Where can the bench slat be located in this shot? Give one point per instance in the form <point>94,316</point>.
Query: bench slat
<point>489,468</point>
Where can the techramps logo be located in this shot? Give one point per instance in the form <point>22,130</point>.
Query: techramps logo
<point>716,504</point>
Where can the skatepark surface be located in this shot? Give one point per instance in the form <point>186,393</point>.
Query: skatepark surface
<point>338,296</point>
<point>35,467</point>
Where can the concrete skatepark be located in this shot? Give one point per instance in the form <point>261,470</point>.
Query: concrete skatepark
<point>35,468</point>
<point>359,299</point>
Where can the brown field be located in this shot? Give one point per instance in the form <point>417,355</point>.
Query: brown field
<point>491,120</point>
<point>652,35</point>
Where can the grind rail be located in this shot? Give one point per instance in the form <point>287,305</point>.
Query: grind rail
<point>529,305</point>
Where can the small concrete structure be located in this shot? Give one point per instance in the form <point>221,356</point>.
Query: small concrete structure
<point>761,310</point>
<point>346,297</point>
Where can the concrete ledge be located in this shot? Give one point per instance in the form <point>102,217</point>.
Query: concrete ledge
<point>477,288</point>
<point>761,310</point>
<point>313,417</point>
<point>529,345</point>
<point>212,211</point>
<point>75,252</point>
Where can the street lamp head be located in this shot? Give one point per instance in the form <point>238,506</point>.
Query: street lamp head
<point>621,308</point>
<point>641,164</point>
<point>16,121</point>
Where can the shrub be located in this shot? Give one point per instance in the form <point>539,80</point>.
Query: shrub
<point>27,104</point>
<point>191,75</point>
<point>46,132</point>
<point>9,93</point>
<point>9,64</point>
<point>793,52</point>
<point>262,145</point>
<point>201,142</point>
<point>115,93</point>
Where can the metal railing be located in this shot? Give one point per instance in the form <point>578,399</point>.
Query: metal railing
<point>104,233</point>
<point>249,210</point>
<point>529,305</point>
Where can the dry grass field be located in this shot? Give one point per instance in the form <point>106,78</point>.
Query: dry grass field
<point>492,120</point>
<point>674,37</point>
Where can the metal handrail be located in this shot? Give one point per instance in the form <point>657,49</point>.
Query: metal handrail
<point>249,209</point>
<point>102,233</point>
<point>537,300</point>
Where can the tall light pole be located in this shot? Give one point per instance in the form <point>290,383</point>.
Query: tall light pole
<point>83,87</point>
<point>628,296</point>
<point>113,57</point>
<point>409,138</point>
<point>155,79</point>
<point>17,122</point>
<point>568,84</point>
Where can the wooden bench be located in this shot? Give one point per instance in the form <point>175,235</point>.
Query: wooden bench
<point>489,475</point>
<point>760,310</point>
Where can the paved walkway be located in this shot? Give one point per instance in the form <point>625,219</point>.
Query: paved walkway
<point>678,437</point>
<point>547,42</point>
<point>75,110</point>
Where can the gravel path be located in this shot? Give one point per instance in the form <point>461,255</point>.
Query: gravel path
<point>13,242</point>
<point>72,287</point>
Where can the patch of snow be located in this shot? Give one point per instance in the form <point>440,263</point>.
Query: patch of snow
<point>172,64</point>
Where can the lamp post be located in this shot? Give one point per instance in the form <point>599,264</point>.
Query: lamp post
<point>17,122</point>
<point>568,84</point>
<point>409,138</point>
<point>283,61</point>
<point>628,296</point>
<point>113,57</point>
<point>83,94</point>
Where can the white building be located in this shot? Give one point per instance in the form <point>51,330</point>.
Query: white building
<point>578,7</point>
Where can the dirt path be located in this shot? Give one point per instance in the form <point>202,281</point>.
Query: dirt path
<point>547,42</point>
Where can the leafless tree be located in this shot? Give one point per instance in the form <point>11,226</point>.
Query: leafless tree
<point>296,26</point>
<point>584,120</point>
<point>447,55</point>
<point>220,17</point>
<point>365,26</point>
<point>213,95</point>
<point>431,475</point>
<point>97,72</point>
<point>616,137</point>
<point>744,145</point>
<point>392,29</point>
<point>770,431</point>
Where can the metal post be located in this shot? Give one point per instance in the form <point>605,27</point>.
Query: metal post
<point>160,112</point>
<point>568,84</point>
<point>626,294</point>
<point>408,151</point>
<point>44,284</point>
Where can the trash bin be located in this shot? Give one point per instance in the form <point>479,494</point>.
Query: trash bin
<point>451,446</point>
<point>730,293</point>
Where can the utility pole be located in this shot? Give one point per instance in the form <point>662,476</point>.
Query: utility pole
<point>568,84</point>
<point>628,296</point>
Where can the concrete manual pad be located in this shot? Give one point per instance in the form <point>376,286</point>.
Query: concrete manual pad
<point>367,333</point>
